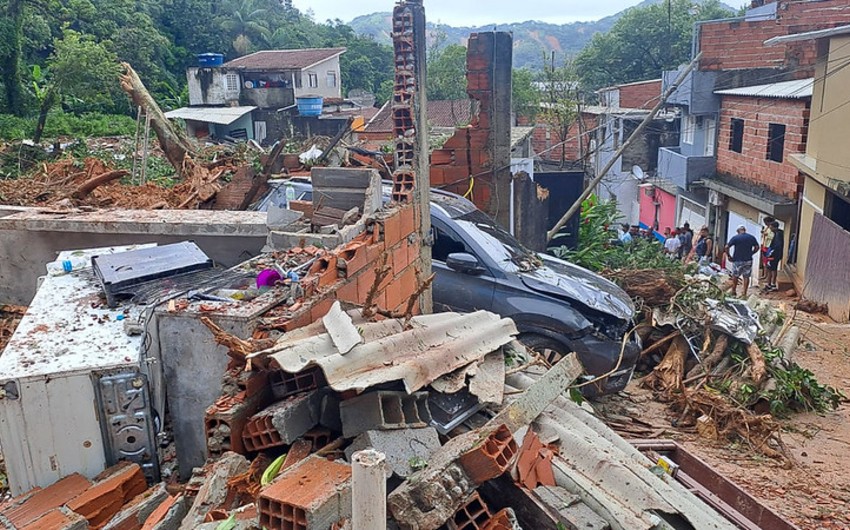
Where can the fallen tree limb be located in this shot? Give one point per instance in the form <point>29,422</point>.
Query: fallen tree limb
<point>91,184</point>
<point>759,365</point>
<point>174,143</point>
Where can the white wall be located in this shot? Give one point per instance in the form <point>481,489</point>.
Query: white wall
<point>207,86</point>
<point>321,71</point>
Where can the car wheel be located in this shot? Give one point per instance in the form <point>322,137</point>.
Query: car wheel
<point>551,350</point>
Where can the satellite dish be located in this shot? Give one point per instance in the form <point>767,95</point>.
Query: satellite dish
<point>362,98</point>
<point>638,172</point>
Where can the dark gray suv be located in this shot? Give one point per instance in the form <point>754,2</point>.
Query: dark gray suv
<point>558,307</point>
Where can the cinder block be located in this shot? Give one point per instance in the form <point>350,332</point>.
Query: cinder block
<point>473,515</point>
<point>283,422</point>
<point>491,457</point>
<point>318,437</point>
<point>312,495</point>
<point>225,421</point>
<point>384,410</point>
<point>284,384</point>
<point>402,447</point>
<point>112,489</point>
<point>329,416</point>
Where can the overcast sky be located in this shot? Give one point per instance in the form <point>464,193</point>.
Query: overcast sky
<point>475,12</point>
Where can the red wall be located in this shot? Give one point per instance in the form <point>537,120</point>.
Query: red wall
<point>666,209</point>
<point>640,95</point>
<point>739,44</point>
<point>752,164</point>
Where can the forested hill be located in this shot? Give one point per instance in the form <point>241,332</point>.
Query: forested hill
<point>531,38</point>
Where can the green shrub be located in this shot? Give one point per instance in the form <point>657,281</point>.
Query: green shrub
<point>63,124</point>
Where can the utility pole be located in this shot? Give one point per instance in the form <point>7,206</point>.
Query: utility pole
<point>625,145</point>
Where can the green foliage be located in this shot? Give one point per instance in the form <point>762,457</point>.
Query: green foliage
<point>644,42</point>
<point>525,96</point>
<point>596,251</point>
<point>64,124</point>
<point>83,69</point>
<point>447,73</point>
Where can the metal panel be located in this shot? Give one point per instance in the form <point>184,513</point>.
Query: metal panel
<point>828,268</point>
<point>49,431</point>
<point>128,425</point>
<point>799,89</point>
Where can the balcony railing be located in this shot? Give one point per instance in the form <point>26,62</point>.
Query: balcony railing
<point>683,170</point>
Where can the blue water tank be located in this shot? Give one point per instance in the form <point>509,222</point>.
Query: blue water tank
<point>309,105</point>
<point>210,59</point>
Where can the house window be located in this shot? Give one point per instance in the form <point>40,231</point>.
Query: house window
<point>710,133</point>
<point>231,83</point>
<point>689,125</point>
<point>736,135</point>
<point>331,80</point>
<point>775,142</point>
<point>313,80</point>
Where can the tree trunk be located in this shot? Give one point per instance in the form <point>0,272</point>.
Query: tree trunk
<point>11,64</point>
<point>174,143</point>
<point>46,104</point>
<point>90,185</point>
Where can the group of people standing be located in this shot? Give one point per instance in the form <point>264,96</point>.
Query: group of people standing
<point>681,243</point>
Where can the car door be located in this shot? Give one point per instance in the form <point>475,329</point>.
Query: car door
<point>453,290</point>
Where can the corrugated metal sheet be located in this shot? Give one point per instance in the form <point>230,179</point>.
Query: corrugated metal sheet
<point>828,268</point>
<point>610,475</point>
<point>799,89</point>
<point>433,346</point>
<point>809,35</point>
<point>219,115</point>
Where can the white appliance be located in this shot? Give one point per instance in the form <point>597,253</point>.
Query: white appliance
<point>71,362</point>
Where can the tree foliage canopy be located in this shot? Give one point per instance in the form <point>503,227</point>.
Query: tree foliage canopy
<point>160,38</point>
<point>644,42</point>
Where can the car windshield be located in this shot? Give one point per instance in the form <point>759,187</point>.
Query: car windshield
<point>499,244</point>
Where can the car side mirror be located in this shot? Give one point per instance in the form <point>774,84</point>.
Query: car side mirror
<point>464,263</point>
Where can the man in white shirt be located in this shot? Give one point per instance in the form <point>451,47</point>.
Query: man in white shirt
<point>672,244</point>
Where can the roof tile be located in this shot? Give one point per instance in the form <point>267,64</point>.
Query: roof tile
<point>284,59</point>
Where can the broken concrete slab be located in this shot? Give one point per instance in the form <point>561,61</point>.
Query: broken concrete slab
<point>283,422</point>
<point>278,240</point>
<point>406,449</point>
<point>281,219</point>
<point>571,512</point>
<point>214,492</point>
<point>343,332</point>
<point>384,410</point>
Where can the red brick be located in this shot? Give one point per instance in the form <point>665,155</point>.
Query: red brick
<point>44,500</point>
<point>500,521</point>
<point>112,489</point>
<point>407,222</point>
<point>159,514</point>
<point>56,519</point>
<point>292,501</point>
<point>473,515</point>
<point>392,229</point>
<point>491,457</point>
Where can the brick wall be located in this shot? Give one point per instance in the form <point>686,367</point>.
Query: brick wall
<point>740,44</point>
<point>481,149</point>
<point>752,164</point>
<point>545,141</point>
<point>640,95</point>
<point>348,272</point>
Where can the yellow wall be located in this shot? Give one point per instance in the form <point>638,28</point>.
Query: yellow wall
<point>830,114</point>
<point>814,201</point>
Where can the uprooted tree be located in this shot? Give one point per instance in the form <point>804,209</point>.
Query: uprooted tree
<point>178,149</point>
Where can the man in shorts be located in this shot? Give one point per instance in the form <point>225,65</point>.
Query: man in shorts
<point>743,247</point>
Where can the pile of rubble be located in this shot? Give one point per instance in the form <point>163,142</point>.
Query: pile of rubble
<point>724,365</point>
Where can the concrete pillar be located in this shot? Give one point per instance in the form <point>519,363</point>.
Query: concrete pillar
<point>368,490</point>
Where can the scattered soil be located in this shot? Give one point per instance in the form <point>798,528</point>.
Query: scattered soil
<point>815,492</point>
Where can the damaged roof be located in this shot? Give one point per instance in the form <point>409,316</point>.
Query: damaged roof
<point>433,346</point>
<point>219,115</point>
<point>285,59</point>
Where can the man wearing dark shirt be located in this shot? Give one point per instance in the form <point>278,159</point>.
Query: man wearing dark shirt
<point>774,256</point>
<point>743,247</point>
